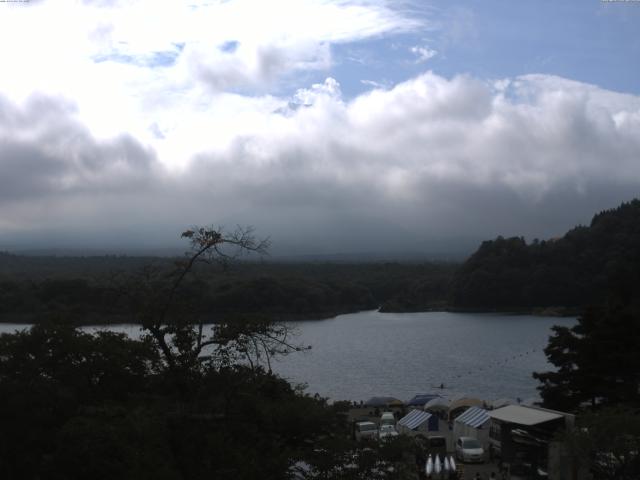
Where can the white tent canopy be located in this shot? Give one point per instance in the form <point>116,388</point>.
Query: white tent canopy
<point>474,422</point>
<point>463,401</point>
<point>417,421</point>
<point>414,419</point>
<point>440,403</point>
<point>474,417</point>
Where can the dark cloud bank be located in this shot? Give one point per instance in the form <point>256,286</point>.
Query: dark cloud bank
<point>428,166</point>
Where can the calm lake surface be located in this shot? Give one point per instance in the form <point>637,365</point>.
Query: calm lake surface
<point>357,356</point>
<point>360,355</point>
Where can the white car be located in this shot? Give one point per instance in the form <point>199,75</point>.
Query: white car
<point>468,449</point>
<point>387,431</point>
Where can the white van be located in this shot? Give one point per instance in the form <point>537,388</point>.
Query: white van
<point>364,430</point>
<point>387,418</point>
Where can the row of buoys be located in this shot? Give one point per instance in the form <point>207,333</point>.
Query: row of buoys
<point>436,468</point>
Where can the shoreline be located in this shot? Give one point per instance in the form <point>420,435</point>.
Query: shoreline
<point>93,319</point>
<point>555,311</point>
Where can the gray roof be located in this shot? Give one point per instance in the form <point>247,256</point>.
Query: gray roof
<point>474,417</point>
<point>524,415</point>
<point>414,419</point>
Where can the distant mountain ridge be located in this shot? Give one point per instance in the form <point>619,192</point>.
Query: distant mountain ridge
<point>573,271</point>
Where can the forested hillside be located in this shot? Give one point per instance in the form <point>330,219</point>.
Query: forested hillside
<point>573,271</point>
<point>96,289</point>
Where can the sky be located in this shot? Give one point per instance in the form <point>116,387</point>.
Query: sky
<point>344,126</point>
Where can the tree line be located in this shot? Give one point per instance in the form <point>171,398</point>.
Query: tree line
<point>572,271</point>
<point>90,289</point>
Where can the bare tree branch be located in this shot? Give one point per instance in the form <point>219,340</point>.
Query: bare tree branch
<point>181,339</point>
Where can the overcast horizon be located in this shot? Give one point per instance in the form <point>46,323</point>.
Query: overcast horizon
<point>333,127</point>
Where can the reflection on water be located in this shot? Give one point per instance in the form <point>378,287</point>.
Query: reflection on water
<point>360,355</point>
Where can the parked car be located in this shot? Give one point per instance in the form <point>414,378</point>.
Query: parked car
<point>387,431</point>
<point>364,430</point>
<point>468,449</point>
<point>387,418</point>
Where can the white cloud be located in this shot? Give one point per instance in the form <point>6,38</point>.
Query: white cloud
<point>430,156</point>
<point>374,84</point>
<point>123,122</point>
<point>433,153</point>
<point>308,96</point>
<point>423,53</point>
<point>133,66</point>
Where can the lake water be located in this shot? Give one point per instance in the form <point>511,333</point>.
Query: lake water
<point>365,354</point>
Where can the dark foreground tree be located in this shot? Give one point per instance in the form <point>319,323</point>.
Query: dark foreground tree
<point>53,375</point>
<point>597,360</point>
<point>186,401</point>
<point>75,405</point>
<point>607,443</point>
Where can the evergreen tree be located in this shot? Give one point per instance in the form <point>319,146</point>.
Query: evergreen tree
<point>597,360</point>
<point>573,271</point>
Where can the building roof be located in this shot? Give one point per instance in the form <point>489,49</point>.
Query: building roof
<point>524,415</point>
<point>474,417</point>
<point>414,419</point>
